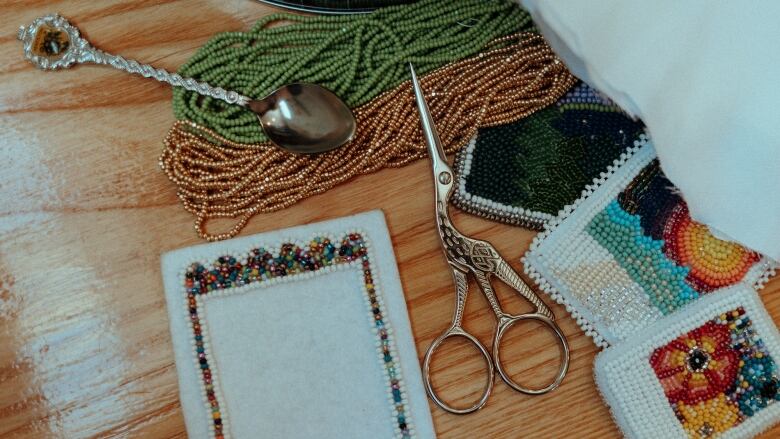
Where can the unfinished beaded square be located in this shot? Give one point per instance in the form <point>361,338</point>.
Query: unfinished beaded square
<point>706,371</point>
<point>305,323</point>
<point>628,253</point>
<point>523,173</point>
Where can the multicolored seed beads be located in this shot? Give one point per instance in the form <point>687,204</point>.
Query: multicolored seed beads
<point>628,252</point>
<point>717,375</point>
<point>262,265</point>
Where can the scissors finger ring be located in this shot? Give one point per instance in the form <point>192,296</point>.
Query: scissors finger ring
<point>455,330</point>
<point>561,339</point>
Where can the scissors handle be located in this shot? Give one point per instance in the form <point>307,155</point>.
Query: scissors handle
<point>455,330</point>
<point>509,276</point>
<point>506,322</point>
<point>506,273</point>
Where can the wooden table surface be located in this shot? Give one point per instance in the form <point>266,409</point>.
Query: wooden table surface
<point>85,213</point>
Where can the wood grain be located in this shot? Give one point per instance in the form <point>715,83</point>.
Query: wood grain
<point>85,214</point>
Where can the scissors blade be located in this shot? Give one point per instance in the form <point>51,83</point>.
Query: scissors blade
<point>429,128</point>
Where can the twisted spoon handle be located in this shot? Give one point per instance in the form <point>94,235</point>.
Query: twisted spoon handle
<point>97,56</point>
<point>51,42</point>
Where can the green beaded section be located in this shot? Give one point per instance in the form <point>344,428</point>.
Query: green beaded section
<point>545,155</point>
<point>543,162</point>
<point>356,56</point>
<point>533,165</point>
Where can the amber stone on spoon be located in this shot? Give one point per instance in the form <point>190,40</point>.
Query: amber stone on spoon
<point>50,41</point>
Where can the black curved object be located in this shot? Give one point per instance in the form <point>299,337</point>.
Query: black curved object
<point>335,6</point>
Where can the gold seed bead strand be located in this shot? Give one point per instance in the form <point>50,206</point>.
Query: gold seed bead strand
<point>220,178</point>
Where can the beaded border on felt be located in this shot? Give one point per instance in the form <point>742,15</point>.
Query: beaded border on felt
<point>656,405</point>
<point>642,149</point>
<point>386,351</point>
<point>474,204</point>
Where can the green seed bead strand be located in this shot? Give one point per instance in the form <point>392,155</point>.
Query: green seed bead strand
<point>356,56</point>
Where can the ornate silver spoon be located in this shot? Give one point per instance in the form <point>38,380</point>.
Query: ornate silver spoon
<point>302,118</point>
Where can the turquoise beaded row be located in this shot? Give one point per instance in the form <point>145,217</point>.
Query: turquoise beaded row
<point>642,257</point>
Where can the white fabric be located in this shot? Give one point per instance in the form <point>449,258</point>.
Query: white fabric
<point>702,76</point>
<point>297,358</point>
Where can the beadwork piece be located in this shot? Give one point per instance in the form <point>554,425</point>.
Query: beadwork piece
<point>524,172</point>
<point>708,371</point>
<point>630,253</point>
<point>214,288</point>
<point>722,364</point>
<point>261,265</point>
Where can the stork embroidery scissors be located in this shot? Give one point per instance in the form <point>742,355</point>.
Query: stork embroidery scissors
<point>472,256</point>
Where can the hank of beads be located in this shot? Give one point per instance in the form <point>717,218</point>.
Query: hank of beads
<point>356,56</point>
<point>219,178</point>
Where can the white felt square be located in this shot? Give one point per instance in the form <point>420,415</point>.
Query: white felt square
<point>282,340</point>
<point>298,356</point>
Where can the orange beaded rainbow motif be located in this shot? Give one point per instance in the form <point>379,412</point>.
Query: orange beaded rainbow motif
<point>649,232</point>
<point>717,375</point>
<point>261,265</point>
<point>714,263</point>
<point>627,252</point>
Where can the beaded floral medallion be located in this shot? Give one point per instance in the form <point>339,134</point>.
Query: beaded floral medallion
<point>523,173</point>
<point>717,375</point>
<point>706,372</point>
<point>630,253</point>
<point>232,274</point>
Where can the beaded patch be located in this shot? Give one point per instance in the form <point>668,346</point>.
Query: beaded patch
<point>229,273</point>
<point>630,253</point>
<point>707,371</point>
<point>523,173</point>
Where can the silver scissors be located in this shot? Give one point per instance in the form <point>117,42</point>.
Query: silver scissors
<point>472,256</point>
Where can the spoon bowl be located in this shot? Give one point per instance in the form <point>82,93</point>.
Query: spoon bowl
<point>304,118</point>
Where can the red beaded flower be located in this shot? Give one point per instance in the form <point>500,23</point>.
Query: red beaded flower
<point>698,365</point>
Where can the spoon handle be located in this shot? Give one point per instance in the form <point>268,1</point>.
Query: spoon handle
<point>51,42</point>
<point>97,56</point>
